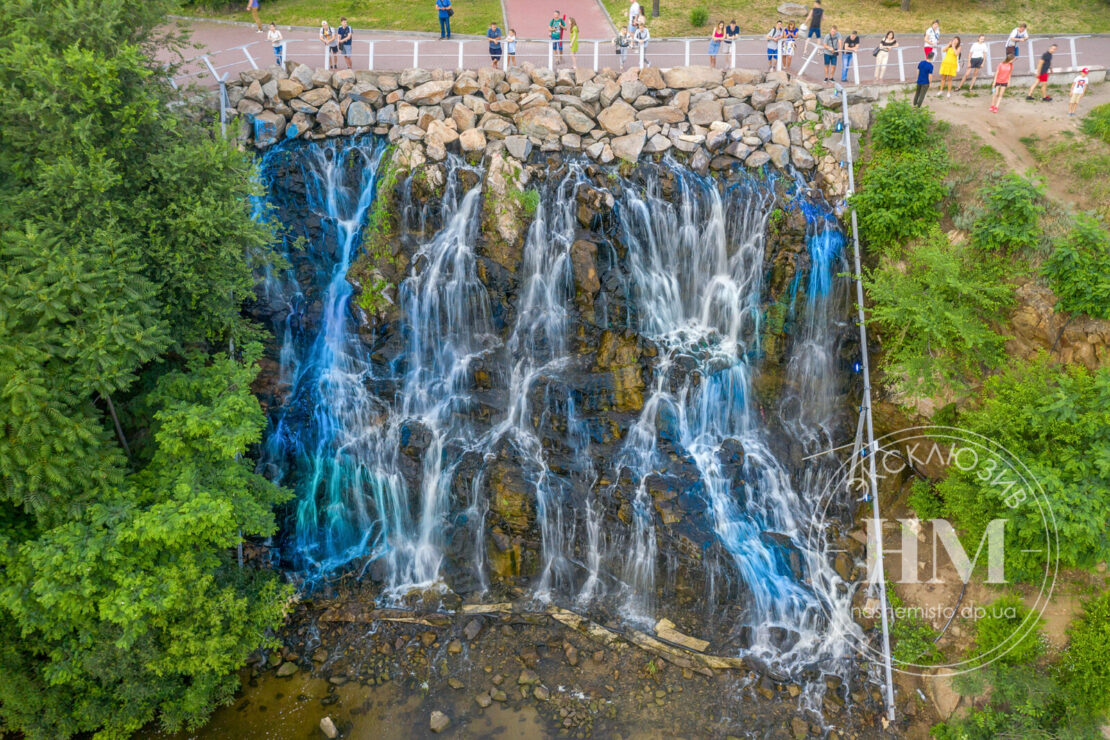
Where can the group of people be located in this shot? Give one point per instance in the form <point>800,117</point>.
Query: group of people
<point>634,35</point>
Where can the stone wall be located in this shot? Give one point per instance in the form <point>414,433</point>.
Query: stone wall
<point>717,118</point>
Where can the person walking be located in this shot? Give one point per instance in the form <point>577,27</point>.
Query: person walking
<point>556,25</point>
<point>1078,89</point>
<point>328,39</point>
<point>1001,82</point>
<point>445,11</point>
<point>831,46</point>
<point>252,6</point>
<point>774,36</point>
<point>1019,34</point>
<point>1044,69</point>
<point>851,46</point>
<point>574,42</point>
<point>715,40</point>
<point>510,48</point>
<point>494,36</point>
<point>882,54</point>
<point>277,41</point>
<point>949,65</point>
<point>622,42</point>
<point>813,22</point>
<point>634,12</point>
<point>924,75</point>
<point>345,36</point>
<point>788,45</point>
<point>975,58</point>
<point>932,39</point>
<point>641,38</point>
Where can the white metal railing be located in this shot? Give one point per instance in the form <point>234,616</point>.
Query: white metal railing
<point>747,51</point>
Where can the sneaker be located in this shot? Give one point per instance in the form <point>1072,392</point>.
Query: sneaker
<point>1047,99</point>
<point>949,95</point>
<point>1029,97</point>
<point>994,109</point>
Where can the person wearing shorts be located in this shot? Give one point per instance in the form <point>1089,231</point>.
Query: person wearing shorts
<point>975,60</point>
<point>328,39</point>
<point>345,36</point>
<point>813,21</point>
<point>932,39</point>
<point>1019,34</point>
<point>1043,71</point>
<point>774,36</point>
<point>1001,81</point>
<point>1078,88</point>
<point>831,47</point>
<point>494,36</point>
<point>557,24</point>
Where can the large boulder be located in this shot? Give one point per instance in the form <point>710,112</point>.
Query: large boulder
<point>360,114</point>
<point>519,146</point>
<point>661,114</point>
<point>705,112</point>
<point>779,154</point>
<point>542,122</point>
<point>329,116</point>
<point>681,78</point>
<point>302,73</point>
<point>801,157</point>
<point>616,117</point>
<point>268,128</point>
<point>317,96</point>
<point>411,78</point>
<point>577,120</point>
<point>780,111</point>
<point>430,93</point>
<point>628,147</point>
<point>472,140</point>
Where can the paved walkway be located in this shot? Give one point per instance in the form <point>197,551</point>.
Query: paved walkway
<point>232,47</point>
<point>530,18</point>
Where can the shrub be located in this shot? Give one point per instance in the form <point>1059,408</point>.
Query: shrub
<point>898,197</point>
<point>912,641</point>
<point>1005,618</point>
<point>936,309</point>
<point>1010,219</point>
<point>1057,422</point>
<point>900,127</point>
<point>1085,667</point>
<point>1097,122</point>
<point>924,502</point>
<point>1079,269</point>
<point>699,17</point>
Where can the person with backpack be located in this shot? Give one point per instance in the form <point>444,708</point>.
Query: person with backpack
<point>621,44</point>
<point>556,25</point>
<point>1044,69</point>
<point>882,54</point>
<point>774,36</point>
<point>445,11</point>
<point>328,39</point>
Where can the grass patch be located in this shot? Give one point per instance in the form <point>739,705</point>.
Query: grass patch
<point>756,16</point>
<point>1097,123</point>
<point>473,16</point>
<point>1080,163</point>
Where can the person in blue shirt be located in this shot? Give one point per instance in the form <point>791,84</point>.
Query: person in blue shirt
<point>924,74</point>
<point>445,11</point>
<point>345,37</point>
<point>494,36</point>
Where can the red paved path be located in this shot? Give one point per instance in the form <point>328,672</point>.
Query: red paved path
<point>530,18</point>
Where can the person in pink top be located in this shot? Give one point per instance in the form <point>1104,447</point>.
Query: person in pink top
<point>1002,81</point>
<point>715,43</point>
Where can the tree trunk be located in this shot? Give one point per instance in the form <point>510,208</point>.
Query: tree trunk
<point>906,5</point>
<point>655,8</point>
<point>115,420</point>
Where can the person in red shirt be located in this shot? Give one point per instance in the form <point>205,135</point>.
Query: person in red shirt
<point>1001,81</point>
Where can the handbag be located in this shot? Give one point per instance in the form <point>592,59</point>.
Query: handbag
<point>450,12</point>
<point>876,52</point>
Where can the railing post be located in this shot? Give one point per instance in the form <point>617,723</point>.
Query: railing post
<point>778,58</point>
<point>686,59</point>
<point>989,64</point>
<point>1074,56</point>
<point>901,65</point>
<point>224,104</point>
<point>208,63</point>
<point>641,56</point>
<point>250,59</point>
<point>809,59</point>
<point>416,54</point>
<point>461,54</point>
<point>597,54</point>
<point>370,61</point>
<point>732,53</point>
<point>550,56</point>
<point>855,67</point>
<point>327,57</point>
<point>1032,62</point>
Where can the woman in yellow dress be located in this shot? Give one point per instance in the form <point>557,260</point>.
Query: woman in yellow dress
<point>950,65</point>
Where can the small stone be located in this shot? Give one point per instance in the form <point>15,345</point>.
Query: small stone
<point>541,693</point>
<point>454,647</point>
<point>799,727</point>
<point>286,669</point>
<point>327,726</point>
<point>571,652</point>
<point>455,683</point>
<point>474,626</point>
<point>527,676</point>
<point>498,695</point>
<point>428,638</point>
<point>319,655</point>
<point>483,699</point>
<point>438,721</point>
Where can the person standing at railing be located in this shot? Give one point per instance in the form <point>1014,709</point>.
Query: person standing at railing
<point>641,39</point>
<point>621,44</point>
<point>1019,34</point>
<point>345,36</point>
<point>882,54</point>
<point>715,40</point>
<point>949,65</point>
<point>831,47</point>
<point>732,33</point>
<point>494,36</point>
<point>510,48</point>
<point>634,12</point>
<point>557,24</point>
<point>327,38</point>
<point>787,46</point>
<point>1001,81</point>
<point>851,47</point>
<point>574,42</point>
<point>278,41</point>
<point>443,7</point>
<point>975,58</point>
<point>252,6</point>
<point>773,37</point>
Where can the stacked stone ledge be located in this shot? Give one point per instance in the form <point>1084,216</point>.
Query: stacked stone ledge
<point>716,118</point>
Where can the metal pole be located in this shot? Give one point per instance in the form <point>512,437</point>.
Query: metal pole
<point>550,56</point>
<point>1074,56</point>
<point>732,53</point>
<point>901,65</point>
<point>461,54</point>
<point>641,56</point>
<point>327,62</point>
<point>1032,63</point>
<point>416,54</point>
<point>989,64</point>
<point>224,105</point>
<point>686,59</point>
<point>250,59</point>
<point>855,66</point>
<point>597,54</point>
<point>371,60</point>
<point>809,59</point>
<point>872,448</point>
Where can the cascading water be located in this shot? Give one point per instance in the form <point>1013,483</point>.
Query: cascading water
<point>686,274</point>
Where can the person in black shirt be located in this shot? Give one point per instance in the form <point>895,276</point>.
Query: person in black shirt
<point>1043,71</point>
<point>813,20</point>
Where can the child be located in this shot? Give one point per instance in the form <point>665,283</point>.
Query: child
<point>275,38</point>
<point>510,48</point>
<point>622,42</point>
<point>1001,81</point>
<point>924,75</point>
<point>1078,88</point>
<point>1043,71</point>
<point>641,39</point>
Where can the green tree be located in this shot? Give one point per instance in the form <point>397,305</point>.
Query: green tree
<point>1010,221</point>
<point>1079,269</point>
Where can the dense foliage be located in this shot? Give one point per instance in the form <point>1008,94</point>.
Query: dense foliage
<point>900,127</point>
<point>1010,221</point>
<point>125,243</point>
<point>899,197</point>
<point>1079,269</point>
<point>1056,421</point>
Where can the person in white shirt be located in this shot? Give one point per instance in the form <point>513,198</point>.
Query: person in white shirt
<point>932,39</point>
<point>976,58</point>
<point>274,36</point>
<point>634,12</point>
<point>1078,87</point>
<point>641,38</point>
<point>1019,34</point>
